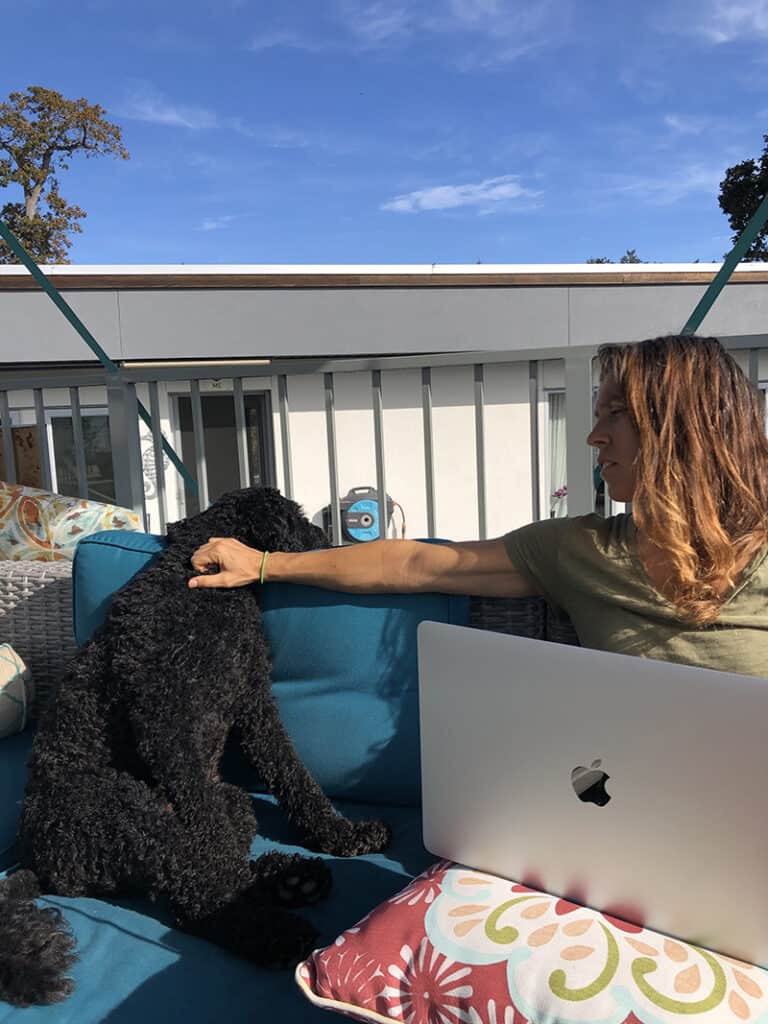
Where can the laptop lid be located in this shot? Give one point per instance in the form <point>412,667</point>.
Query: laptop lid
<point>633,786</point>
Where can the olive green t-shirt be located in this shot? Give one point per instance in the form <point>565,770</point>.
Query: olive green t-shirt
<point>588,567</point>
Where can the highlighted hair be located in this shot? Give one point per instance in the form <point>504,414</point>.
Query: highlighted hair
<point>701,483</point>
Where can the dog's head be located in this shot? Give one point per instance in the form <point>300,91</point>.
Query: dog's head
<point>258,516</point>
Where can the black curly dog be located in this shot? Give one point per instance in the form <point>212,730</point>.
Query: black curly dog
<point>124,793</point>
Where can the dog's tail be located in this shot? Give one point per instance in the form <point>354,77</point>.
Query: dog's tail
<point>37,949</point>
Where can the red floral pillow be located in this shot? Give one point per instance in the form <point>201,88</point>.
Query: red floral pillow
<point>458,946</point>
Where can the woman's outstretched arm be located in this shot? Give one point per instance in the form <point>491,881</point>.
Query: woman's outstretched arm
<point>482,568</point>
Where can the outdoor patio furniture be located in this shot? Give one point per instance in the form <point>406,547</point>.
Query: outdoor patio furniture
<point>134,966</point>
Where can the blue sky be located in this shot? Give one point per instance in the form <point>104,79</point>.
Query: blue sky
<point>386,131</point>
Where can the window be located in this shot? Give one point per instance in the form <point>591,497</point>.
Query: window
<point>97,450</point>
<point>222,470</point>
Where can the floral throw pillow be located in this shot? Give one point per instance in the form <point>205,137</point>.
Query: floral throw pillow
<point>39,526</point>
<point>458,946</point>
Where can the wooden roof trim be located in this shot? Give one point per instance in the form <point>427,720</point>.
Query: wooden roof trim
<point>205,282</point>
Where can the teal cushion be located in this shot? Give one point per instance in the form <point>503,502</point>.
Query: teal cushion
<point>103,563</point>
<point>134,966</point>
<point>344,668</point>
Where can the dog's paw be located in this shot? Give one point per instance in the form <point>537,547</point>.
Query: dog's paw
<point>291,880</point>
<point>353,838</point>
<point>370,836</point>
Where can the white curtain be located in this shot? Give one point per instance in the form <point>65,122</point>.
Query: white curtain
<point>558,506</point>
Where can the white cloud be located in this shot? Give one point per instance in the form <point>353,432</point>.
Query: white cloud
<point>728,21</point>
<point>146,104</point>
<point>483,195</point>
<point>288,39</point>
<point>671,188</point>
<point>719,21</point>
<point>215,223</point>
<point>489,32</point>
<point>274,138</point>
<point>377,23</point>
<point>685,125</point>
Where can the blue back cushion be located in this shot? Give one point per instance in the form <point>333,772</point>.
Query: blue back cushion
<point>344,667</point>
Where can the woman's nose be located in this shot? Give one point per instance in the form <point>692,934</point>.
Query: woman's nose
<point>595,437</point>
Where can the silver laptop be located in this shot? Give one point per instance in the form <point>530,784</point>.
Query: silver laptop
<point>632,786</point>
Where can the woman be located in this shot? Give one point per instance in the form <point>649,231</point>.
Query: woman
<point>683,577</point>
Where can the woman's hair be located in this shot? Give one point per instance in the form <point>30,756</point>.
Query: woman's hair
<point>701,485</point>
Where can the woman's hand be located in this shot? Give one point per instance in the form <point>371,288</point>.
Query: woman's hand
<point>238,564</point>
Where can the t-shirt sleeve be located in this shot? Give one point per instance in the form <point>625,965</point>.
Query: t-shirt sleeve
<point>534,552</point>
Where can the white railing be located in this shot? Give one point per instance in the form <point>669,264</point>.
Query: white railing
<point>36,397</point>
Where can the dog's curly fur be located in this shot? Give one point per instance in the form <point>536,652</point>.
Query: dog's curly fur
<point>124,792</point>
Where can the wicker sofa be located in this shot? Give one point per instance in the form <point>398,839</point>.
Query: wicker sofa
<point>36,619</point>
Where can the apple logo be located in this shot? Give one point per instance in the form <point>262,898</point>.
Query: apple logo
<point>589,783</point>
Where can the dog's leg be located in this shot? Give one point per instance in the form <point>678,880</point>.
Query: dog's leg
<point>96,834</point>
<point>270,750</point>
<point>112,833</point>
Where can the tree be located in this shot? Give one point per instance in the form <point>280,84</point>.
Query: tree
<point>40,131</point>
<point>743,188</point>
<point>630,256</point>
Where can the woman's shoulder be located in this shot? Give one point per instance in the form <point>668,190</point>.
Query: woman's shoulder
<point>609,534</point>
<point>619,526</point>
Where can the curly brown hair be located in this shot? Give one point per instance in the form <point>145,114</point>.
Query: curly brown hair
<point>701,472</point>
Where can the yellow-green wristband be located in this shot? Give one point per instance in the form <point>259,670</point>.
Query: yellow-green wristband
<point>263,566</point>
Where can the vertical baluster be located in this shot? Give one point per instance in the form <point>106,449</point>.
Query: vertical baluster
<point>9,452</point>
<point>378,431</point>
<point>79,442</point>
<point>333,467</point>
<point>241,432</point>
<point>198,431</point>
<point>482,524</point>
<point>533,409</point>
<point>429,450</point>
<point>42,436</point>
<point>157,452</point>
<point>285,434</point>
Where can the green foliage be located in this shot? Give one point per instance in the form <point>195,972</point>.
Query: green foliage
<point>630,256</point>
<point>743,188</point>
<point>40,130</point>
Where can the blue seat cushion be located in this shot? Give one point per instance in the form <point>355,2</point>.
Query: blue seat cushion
<point>134,966</point>
<point>344,666</point>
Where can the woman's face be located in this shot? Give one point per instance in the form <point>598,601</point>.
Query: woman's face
<point>615,437</point>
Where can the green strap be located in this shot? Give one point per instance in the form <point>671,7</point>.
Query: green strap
<point>748,235</point>
<point>111,367</point>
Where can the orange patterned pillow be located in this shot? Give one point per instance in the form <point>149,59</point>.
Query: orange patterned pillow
<point>458,946</point>
<point>39,526</point>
